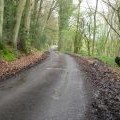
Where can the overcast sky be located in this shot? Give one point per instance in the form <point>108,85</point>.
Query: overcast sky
<point>92,3</point>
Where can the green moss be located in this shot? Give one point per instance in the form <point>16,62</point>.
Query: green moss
<point>7,55</point>
<point>108,60</point>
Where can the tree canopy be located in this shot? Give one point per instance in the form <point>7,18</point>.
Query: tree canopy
<point>74,25</point>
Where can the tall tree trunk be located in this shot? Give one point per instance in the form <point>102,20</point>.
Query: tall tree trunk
<point>77,32</point>
<point>64,15</point>
<point>27,18</point>
<point>19,14</point>
<point>38,14</point>
<point>94,33</point>
<point>88,42</point>
<point>1,19</point>
<point>60,26</point>
<point>76,41</point>
<point>27,21</point>
<point>47,17</point>
<point>43,26</point>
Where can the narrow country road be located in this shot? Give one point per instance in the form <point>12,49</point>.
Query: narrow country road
<point>53,90</point>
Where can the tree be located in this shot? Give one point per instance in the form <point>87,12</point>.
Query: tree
<point>78,35</point>
<point>18,16</point>
<point>94,34</point>
<point>65,11</point>
<point>1,19</point>
<point>26,26</point>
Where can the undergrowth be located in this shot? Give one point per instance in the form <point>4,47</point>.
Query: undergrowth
<point>108,60</point>
<point>7,54</point>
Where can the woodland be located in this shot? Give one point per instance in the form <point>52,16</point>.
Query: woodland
<point>79,79</point>
<point>76,26</point>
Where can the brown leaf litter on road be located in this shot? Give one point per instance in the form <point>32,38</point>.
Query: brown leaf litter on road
<point>8,69</point>
<point>106,85</point>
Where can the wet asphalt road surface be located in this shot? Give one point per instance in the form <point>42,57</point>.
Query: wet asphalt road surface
<point>53,90</point>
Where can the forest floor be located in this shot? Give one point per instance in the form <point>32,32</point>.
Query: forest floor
<point>105,82</point>
<point>8,69</point>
